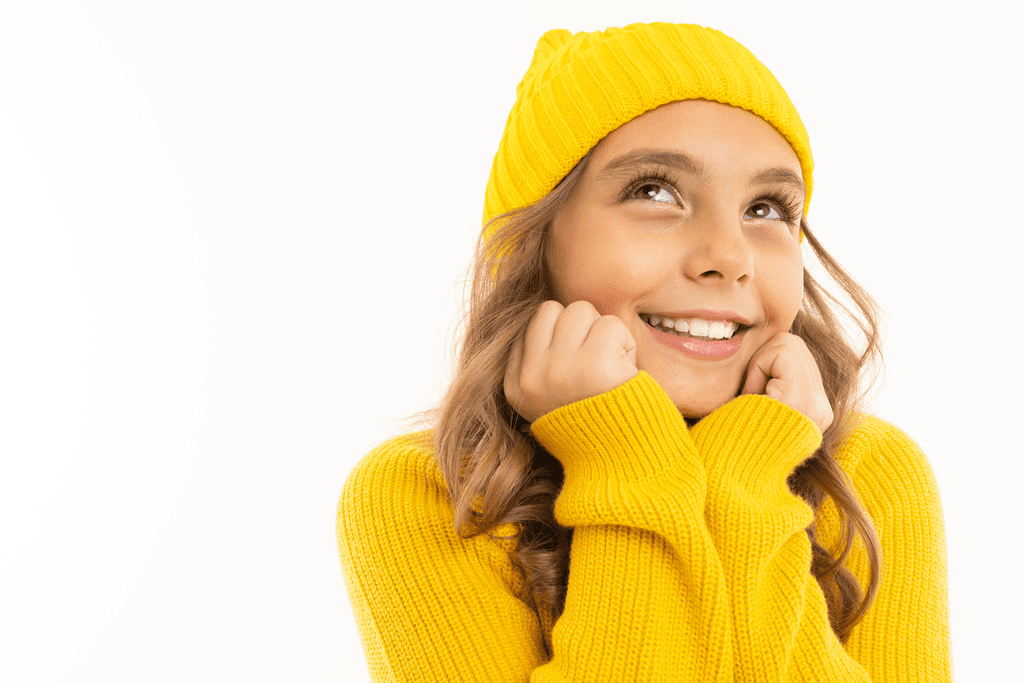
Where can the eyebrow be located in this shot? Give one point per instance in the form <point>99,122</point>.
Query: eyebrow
<point>778,176</point>
<point>622,167</point>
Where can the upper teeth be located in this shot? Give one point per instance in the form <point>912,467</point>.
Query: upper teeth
<point>695,327</point>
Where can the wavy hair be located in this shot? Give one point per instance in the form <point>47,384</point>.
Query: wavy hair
<point>497,474</point>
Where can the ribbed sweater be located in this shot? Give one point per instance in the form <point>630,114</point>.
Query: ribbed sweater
<point>689,559</point>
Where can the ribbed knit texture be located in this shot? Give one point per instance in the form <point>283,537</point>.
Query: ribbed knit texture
<point>581,87</point>
<point>689,560</point>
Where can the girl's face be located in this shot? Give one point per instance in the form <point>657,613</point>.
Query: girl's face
<point>688,213</point>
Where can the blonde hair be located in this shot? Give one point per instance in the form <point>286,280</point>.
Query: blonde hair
<point>497,474</point>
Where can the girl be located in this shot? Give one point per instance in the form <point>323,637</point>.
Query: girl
<point>649,465</point>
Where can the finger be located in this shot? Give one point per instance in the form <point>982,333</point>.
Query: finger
<point>610,338</point>
<point>572,328</point>
<point>779,390</point>
<point>757,377</point>
<point>759,369</point>
<point>796,365</point>
<point>610,353</point>
<point>770,370</point>
<point>541,329</point>
<point>513,389</point>
<point>812,362</point>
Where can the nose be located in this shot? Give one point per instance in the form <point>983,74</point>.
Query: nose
<point>717,251</point>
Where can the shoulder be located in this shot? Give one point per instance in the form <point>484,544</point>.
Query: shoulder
<point>394,485</point>
<point>394,510</point>
<point>895,483</point>
<point>416,586</point>
<point>885,463</point>
<point>402,462</point>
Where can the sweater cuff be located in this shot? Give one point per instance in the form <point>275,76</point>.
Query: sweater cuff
<point>756,442</point>
<point>629,434</point>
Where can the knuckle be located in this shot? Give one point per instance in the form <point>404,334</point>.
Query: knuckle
<point>550,306</point>
<point>581,305</point>
<point>582,309</point>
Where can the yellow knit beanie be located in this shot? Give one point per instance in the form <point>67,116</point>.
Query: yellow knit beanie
<point>581,87</point>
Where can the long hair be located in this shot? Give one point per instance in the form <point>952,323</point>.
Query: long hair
<point>496,474</point>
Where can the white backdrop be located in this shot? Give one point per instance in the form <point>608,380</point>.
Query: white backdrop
<point>232,234</point>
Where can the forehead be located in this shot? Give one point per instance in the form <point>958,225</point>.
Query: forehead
<point>724,139</point>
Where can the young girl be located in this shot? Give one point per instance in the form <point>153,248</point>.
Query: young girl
<point>649,465</point>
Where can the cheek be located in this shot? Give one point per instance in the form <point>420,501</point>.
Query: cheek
<point>786,291</point>
<point>608,273</point>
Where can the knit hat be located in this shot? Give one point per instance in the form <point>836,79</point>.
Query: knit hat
<point>581,87</point>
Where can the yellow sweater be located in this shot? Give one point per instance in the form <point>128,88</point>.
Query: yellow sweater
<point>689,558</point>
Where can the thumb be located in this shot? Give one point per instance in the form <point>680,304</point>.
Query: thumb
<point>758,373</point>
<point>628,345</point>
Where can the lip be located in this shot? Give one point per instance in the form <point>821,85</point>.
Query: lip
<point>703,314</point>
<point>704,349</point>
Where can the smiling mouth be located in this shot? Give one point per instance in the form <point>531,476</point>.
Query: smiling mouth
<point>697,328</point>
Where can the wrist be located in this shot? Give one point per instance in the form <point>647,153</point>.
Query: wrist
<point>756,442</point>
<point>629,434</point>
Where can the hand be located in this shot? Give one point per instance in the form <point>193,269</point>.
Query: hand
<point>784,369</point>
<point>567,354</point>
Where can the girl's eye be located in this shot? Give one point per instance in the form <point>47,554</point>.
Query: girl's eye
<point>763,210</point>
<point>655,193</point>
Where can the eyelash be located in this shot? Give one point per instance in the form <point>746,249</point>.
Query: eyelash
<point>787,204</point>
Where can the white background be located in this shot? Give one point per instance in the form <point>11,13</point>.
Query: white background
<point>232,234</point>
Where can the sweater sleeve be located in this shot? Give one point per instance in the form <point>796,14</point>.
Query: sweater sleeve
<point>647,598</point>
<point>690,559</point>
<point>781,628</point>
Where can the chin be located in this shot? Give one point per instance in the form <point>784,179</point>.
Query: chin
<point>698,411</point>
<point>699,396</point>
<point>700,403</point>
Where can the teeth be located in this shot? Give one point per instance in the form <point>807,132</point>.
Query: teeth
<point>695,327</point>
<point>699,328</point>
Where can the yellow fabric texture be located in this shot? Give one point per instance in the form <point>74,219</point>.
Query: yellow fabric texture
<point>580,87</point>
<point>689,559</point>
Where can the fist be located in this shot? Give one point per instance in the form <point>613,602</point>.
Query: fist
<point>567,354</point>
<point>784,369</point>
